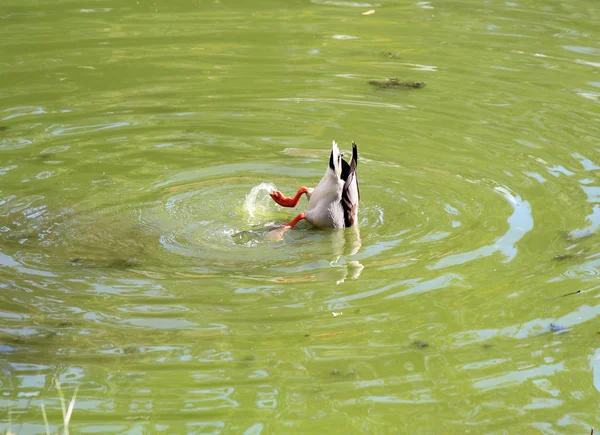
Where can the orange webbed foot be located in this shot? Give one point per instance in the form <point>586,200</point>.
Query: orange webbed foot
<point>280,199</point>
<point>284,201</point>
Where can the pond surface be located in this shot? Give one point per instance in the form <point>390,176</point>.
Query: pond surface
<point>139,140</point>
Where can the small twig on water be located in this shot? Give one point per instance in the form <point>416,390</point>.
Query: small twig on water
<point>572,293</point>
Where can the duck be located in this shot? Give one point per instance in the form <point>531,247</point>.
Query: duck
<point>333,203</point>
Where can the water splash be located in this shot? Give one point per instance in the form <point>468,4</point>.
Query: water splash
<point>256,204</point>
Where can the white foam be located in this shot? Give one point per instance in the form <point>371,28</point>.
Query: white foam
<point>257,201</point>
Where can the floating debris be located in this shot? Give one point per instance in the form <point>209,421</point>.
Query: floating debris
<point>371,12</point>
<point>124,263</point>
<point>555,327</point>
<point>561,257</point>
<point>572,293</point>
<point>117,263</point>
<point>420,344</point>
<point>395,83</point>
<point>569,256</point>
<point>392,55</point>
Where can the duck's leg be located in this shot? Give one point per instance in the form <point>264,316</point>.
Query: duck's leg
<point>284,201</point>
<point>293,222</point>
<point>277,234</point>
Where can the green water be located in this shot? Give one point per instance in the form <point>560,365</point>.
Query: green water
<point>136,265</point>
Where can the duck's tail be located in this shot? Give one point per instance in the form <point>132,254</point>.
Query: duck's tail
<point>335,160</point>
<point>351,193</point>
<point>354,161</point>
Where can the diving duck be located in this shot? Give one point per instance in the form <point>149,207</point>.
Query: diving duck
<point>334,202</point>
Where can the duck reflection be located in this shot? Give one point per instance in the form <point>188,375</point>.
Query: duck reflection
<point>346,243</point>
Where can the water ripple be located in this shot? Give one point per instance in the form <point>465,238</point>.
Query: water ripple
<point>520,223</point>
<point>57,130</point>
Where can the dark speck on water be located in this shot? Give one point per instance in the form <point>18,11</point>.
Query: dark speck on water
<point>117,263</point>
<point>572,293</point>
<point>395,83</point>
<point>335,372</point>
<point>124,263</point>
<point>555,327</point>
<point>3,128</point>
<point>391,55</point>
<point>46,156</point>
<point>420,344</point>
<point>569,256</point>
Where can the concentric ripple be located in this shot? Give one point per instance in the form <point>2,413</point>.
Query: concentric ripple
<point>419,215</point>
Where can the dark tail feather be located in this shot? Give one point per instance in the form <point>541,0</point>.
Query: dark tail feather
<point>354,164</point>
<point>351,193</point>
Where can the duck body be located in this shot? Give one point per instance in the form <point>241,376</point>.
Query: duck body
<point>333,203</point>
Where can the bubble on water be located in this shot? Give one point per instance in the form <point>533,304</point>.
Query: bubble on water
<point>256,204</point>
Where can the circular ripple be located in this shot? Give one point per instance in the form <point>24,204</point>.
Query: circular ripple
<point>224,224</point>
<point>423,214</point>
